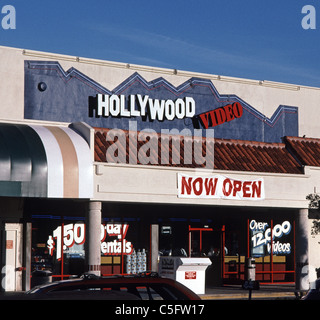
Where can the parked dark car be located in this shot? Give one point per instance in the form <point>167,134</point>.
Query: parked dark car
<point>89,287</point>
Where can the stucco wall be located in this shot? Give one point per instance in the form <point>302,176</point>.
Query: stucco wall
<point>263,95</point>
<point>116,182</point>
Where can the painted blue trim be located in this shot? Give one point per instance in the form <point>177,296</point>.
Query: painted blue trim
<point>70,97</point>
<point>68,75</point>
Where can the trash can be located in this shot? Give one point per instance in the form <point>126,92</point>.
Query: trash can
<point>40,277</point>
<point>250,269</point>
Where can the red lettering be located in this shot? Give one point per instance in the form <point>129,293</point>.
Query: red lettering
<point>220,115</point>
<point>246,189</point>
<point>236,187</point>
<point>186,185</point>
<point>198,191</point>
<point>229,112</point>
<point>205,119</point>
<point>209,186</point>
<point>213,118</point>
<point>224,190</point>
<point>237,110</point>
<point>124,230</point>
<point>256,189</point>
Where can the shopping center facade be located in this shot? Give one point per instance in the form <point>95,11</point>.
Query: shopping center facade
<point>106,167</point>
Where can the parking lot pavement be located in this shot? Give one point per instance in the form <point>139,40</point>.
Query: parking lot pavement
<point>286,291</point>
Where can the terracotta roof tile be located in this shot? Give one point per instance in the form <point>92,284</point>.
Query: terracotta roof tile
<point>306,150</point>
<point>254,156</point>
<point>234,155</point>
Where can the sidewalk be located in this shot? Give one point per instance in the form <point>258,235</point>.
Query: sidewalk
<point>236,292</point>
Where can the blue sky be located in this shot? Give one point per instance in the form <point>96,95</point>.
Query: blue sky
<point>252,39</point>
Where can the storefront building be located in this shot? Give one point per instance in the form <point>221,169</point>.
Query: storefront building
<point>106,167</point>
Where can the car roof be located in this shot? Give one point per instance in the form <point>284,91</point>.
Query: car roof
<point>91,295</point>
<point>91,280</point>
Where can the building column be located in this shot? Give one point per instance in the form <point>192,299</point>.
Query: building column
<point>154,235</point>
<point>302,254</point>
<point>93,241</point>
<point>27,256</point>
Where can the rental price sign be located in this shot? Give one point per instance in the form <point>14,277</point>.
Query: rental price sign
<point>113,239</point>
<point>218,186</point>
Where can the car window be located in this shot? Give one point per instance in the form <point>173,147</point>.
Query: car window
<point>142,292</point>
<point>147,293</point>
<point>166,292</point>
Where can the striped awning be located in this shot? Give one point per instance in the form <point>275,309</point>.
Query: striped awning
<point>44,161</point>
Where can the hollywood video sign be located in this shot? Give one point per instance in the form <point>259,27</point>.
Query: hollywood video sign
<point>220,115</point>
<point>164,109</point>
<point>54,94</point>
<point>218,186</point>
<point>145,107</point>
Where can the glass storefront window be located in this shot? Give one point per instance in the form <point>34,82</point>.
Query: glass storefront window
<point>58,245</point>
<point>124,248</point>
<point>272,245</point>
